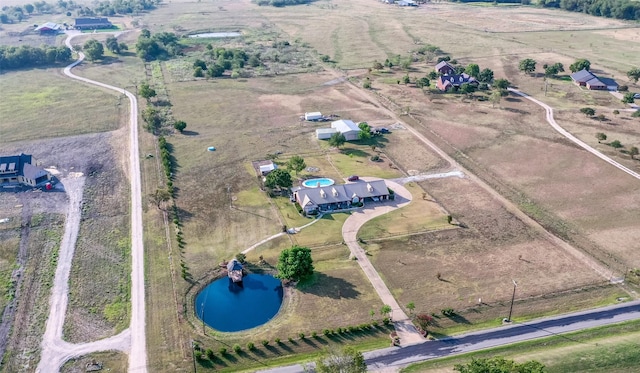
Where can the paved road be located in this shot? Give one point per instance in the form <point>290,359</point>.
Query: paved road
<point>389,359</point>
<point>133,339</point>
<point>563,132</point>
<point>404,327</point>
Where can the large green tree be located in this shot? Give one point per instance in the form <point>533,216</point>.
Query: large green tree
<point>485,76</point>
<point>499,365</point>
<point>93,49</point>
<point>296,164</point>
<point>501,83</point>
<point>581,64</point>
<point>628,98</point>
<point>146,92</point>
<point>349,360</point>
<point>472,70</point>
<point>337,140</point>
<point>527,65</point>
<point>295,263</point>
<point>112,44</point>
<point>365,131</point>
<point>278,178</point>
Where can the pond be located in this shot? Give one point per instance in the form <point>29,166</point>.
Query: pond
<point>216,35</point>
<point>230,307</point>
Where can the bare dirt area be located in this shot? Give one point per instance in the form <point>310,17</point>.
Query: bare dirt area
<point>107,361</point>
<point>99,281</point>
<point>493,240</point>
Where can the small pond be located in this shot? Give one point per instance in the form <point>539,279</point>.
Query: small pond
<point>230,307</point>
<point>216,35</point>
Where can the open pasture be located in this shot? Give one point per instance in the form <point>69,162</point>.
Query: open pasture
<point>42,103</point>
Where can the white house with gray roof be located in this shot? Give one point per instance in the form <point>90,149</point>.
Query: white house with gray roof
<point>20,169</point>
<point>339,197</point>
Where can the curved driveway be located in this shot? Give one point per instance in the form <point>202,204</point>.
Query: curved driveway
<point>549,113</point>
<point>404,327</point>
<point>55,351</point>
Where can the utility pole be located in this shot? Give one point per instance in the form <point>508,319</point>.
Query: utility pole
<point>513,297</point>
<point>193,355</point>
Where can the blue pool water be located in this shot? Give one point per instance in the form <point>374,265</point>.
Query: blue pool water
<point>314,183</point>
<point>230,307</point>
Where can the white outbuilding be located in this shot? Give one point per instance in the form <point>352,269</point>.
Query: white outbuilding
<point>313,116</point>
<point>325,133</point>
<point>348,128</point>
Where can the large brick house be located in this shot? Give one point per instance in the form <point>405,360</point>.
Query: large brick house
<point>339,197</point>
<point>446,82</point>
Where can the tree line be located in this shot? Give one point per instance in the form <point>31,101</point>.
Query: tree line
<point>12,57</point>
<point>159,46</point>
<point>281,3</point>
<point>620,9</point>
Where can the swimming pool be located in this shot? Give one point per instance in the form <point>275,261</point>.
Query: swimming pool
<point>320,182</point>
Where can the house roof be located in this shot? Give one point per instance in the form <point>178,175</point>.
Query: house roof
<point>268,167</point>
<point>32,172</point>
<point>582,76</point>
<point>92,21</point>
<point>341,193</point>
<point>234,265</point>
<point>326,130</point>
<point>442,64</point>
<point>595,82</point>
<point>446,80</point>
<point>13,165</point>
<point>608,81</point>
<point>345,125</point>
<point>49,26</point>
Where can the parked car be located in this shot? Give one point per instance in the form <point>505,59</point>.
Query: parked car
<point>383,130</point>
<point>353,178</point>
<point>637,95</point>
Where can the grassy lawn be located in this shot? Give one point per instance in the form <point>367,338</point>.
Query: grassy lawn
<point>606,349</point>
<point>421,215</point>
<point>110,361</point>
<point>9,244</point>
<point>41,103</point>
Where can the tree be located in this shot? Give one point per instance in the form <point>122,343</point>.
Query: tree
<point>179,125</point>
<point>432,75</point>
<point>4,18</point>
<point>411,306</point>
<point>633,151</point>
<point>93,49</point>
<point>501,83</point>
<point>406,79</point>
<point>422,82</point>
<point>527,65</point>
<point>581,64</point>
<point>467,88</point>
<point>634,74</point>
<point>601,137</point>
<point>385,310</point>
<point>365,131</point>
<point>337,140</point>
<point>616,144</point>
<point>499,365</point>
<point>472,70</point>
<point>378,66</point>
<point>296,163</point>
<point>112,44</point>
<point>278,178</point>
<point>423,321</point>
<point>200,63</point>
<point>198,73</point>
<point>588,111</point>
<point>294,264</point>
<point>550,71</point>
<point>29,8</point>
<point>146,91</point>
<point>485,76</point>
<point>496,97</point>
<point>159,196</point>
<point>367,83</point>
<point>628,98</point>
<point>215,71</point>
<point>349,360</point>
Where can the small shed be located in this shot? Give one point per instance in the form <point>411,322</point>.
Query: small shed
<point>234,270</point>
<point>325,133</point>
<point>267,168</point>
<point>348,128</point>
<point>313,116</point>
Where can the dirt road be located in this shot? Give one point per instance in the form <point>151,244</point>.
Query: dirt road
<point>133,340</point>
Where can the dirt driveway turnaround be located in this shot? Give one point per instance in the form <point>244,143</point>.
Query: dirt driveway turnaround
<point>403,325</point>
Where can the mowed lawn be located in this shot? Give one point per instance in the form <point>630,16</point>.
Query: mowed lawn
<point>43,103</point>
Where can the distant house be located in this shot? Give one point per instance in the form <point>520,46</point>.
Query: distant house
<point>234,270</point>
<point>348,128</point>
<point>91,23</point>
<point>49,28</point>
<point>338,197</point>
<point>20,169</point>
<point>406,3</point>
<point>446,82</point>
<point>445,68</point>
<point>586,78</point>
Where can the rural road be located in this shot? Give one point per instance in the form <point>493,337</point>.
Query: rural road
<point>404,327</point>
<point>549,113</point>
<point>390,359</point>
<point>132,340</point>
